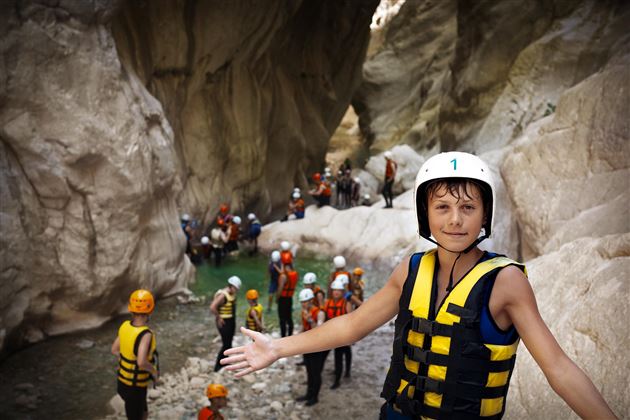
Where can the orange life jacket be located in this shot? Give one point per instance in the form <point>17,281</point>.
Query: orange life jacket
<point>234,232</point>
<point>334,309</point>
<point>289,284</point>
<point>389,169</point>
<point>327,192</point>
<point>206,413</point>
<point>299,205</point>
<point>286,257</point>
<point>334,276</point>
<point>313,315</point>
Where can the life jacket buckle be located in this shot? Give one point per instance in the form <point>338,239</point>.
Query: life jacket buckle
<point>424,326</point>
<point>418,355</point>
<point>429,384</point>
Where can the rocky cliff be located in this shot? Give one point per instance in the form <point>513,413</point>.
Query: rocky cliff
<point>116,116</point>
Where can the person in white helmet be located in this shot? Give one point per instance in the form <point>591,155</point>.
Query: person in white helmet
<point>340,268</point>
<point>296,207</point>
<point>275,269</point>
<point>255,229</point>
<point>366,200</point>
<point>390,176</point>
<point>312,317</point>
<point>336,305</point>
<point>309,282</point>
<point>218,239</point>
<point>188,231</point>
<point>234,233</point>
<point>461,313</point>
<point>355,194</point>
<point>223,307</point>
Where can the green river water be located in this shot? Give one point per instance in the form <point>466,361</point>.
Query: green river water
<point>65,381</point>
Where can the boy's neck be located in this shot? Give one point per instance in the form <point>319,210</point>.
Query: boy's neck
<point>447,258</point>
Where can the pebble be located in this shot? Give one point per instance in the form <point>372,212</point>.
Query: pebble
<point>85,344</point>
<point>197,382</point>
<point>276,405</point>
<point>154,393</point>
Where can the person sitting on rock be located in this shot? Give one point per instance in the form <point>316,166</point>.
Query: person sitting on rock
<point>390,176</point>
<point>217,395</point>
<point>461,313</point>
<point>312,316</point>
<point>136,349</point>
<point>296,207</point>
<point>366,200</point>
<point>223,307</point>
<point>255,229</point>
<point>322,192</point>
<point>254,313</point>
<point>308,281</point>
<point>274,269</point>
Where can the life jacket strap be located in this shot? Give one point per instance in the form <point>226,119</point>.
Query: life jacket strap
<point>428,357</point>
<point>462,390</point>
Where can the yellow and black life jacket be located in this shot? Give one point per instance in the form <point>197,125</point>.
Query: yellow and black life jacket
<point>128,371</point>
<point>228,309</point>
<point>441,367</point>
<point>251,324</point>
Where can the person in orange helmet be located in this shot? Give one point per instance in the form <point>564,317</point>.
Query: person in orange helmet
<point>136,349</point>
<point>217,395</point>
<point>254,314</point>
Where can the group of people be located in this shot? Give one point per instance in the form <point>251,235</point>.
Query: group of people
<point>221,237</point>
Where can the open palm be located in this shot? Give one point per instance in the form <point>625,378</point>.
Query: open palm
<point>256,355</point>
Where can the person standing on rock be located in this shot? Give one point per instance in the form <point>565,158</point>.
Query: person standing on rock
<point>254,314</point>
<point>390,176</point>
<point>312,316</point>
<point>461,313</point>
<point>275,269</point>
<point>286,288</point>
<point>338,305</point>
<point>255,228</point>
<point>217,395</point>
<point>223,307</point>
<point>136,349</point>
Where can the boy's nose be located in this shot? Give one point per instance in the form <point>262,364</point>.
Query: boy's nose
<point>455,218</point>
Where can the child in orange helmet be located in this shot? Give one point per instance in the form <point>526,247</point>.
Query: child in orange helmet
<point>217,395</point>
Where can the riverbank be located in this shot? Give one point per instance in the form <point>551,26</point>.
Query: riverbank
<point>271,393</point>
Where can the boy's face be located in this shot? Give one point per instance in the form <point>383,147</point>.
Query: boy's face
<point>337,294</point>
<point>306,304</point>
<point>456,223</point>
<point>252,302</point>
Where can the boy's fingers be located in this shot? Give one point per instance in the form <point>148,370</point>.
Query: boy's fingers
<point>244,372</point>
<point>234,350</point>
<point>232,359</point>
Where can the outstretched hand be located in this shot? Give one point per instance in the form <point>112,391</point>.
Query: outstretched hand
<point>251,357</point>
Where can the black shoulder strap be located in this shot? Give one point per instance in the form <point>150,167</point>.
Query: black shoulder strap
<point>136,345</point>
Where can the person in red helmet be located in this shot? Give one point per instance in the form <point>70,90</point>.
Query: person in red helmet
<point>136,349</point>
<point>322,191</point>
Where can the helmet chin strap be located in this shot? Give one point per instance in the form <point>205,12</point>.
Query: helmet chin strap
<point>459,254</point>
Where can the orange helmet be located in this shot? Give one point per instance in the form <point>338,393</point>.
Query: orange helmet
<point>224,208</point>
<point>317,176</point>
<point>358,271</point>
<point>141,302</point>
<point>251,294</point>
<point>216,391</point>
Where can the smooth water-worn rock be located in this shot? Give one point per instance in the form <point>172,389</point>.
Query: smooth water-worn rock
<point>87,179</point>
<point>568,177</point>
<point>582,290</point>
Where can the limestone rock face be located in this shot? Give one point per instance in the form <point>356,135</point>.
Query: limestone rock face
<point>569,175</point>
<point>403,80</point>
<point>88,182</point>
<point>582,291</point>
<point>253,93</point>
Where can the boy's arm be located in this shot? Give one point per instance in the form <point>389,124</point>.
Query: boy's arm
<point>143,353</point>
<point>515,295</point>
<point>254,315</point>
<point>337,332</point>
<point>116,347</point>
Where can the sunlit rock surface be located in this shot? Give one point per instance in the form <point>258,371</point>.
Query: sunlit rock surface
<point>582,291</point>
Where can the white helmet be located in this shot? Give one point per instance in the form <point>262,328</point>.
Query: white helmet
<point>339,261</point>
<point>343,278</point>
<point>185,217</point>
<point>285,245</point>
<point>251,216</point>
<point>296,195</point>
<point>235,281</point>
<point>237,220</point>
<point>297,189</point>
<point>327,169</point>
<point>309,278</point>
<point>357,180</point>
<point>451,165</point>
<point>306,295</point>
<point>275,256</point>
<point>337,285</point>
<point>205,240</point>
<point>387,154</point>
<point>366,196</point>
